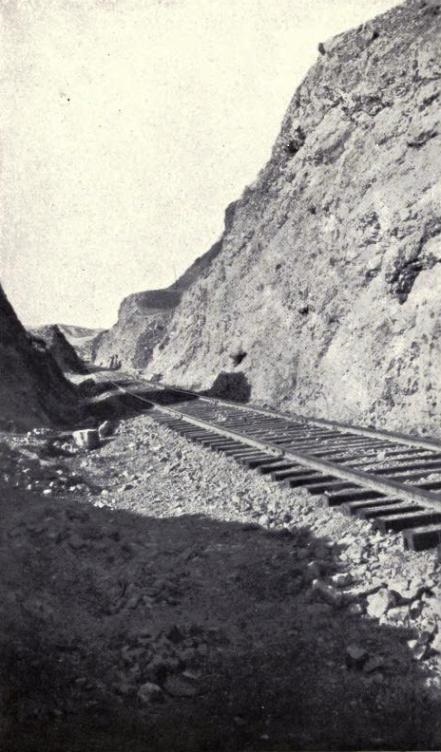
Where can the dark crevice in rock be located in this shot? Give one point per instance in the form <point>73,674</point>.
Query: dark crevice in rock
<point>238,357</point>
<point>406,271</point>
<point>422,139</point>
<point>296,141</point>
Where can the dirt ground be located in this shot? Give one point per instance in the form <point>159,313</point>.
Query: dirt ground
<point>157,596</point>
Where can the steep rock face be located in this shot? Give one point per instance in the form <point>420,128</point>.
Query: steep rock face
<point>143,320</point>
<point>327,291</point>
<point>60,349</point>
<point>33,391</point>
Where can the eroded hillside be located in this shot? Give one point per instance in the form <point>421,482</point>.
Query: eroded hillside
<point>33,390</point>
<point>327,290</point>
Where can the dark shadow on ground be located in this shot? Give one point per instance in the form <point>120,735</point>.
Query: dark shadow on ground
<point>118,405</point>
<point>95,602</point>
<point>232,386</point>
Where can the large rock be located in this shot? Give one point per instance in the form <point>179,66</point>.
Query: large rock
<point>33,390</point>
<point>327,286</point>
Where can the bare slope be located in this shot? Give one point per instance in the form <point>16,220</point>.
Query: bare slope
<point>327,289</point>
<point>33,390</point>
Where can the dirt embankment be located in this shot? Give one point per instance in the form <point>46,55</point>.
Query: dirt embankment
<point>33,390</point>
<point>326,293</point>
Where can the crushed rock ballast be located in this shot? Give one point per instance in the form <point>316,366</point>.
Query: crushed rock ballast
<point>159,591</point>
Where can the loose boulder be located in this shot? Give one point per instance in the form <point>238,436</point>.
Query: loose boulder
<point>87,438</point>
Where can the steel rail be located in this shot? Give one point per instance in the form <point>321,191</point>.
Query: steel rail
<point>358,477</point>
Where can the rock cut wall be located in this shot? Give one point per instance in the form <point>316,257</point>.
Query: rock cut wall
<point>327,291</point>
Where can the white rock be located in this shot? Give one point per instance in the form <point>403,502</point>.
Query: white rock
<point>87,438</point>
<point>378,603</point>
<point>106,429</point>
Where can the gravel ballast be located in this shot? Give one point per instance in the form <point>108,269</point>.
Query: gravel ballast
<point>157,596</point>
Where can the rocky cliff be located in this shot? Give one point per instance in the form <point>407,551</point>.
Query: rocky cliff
<point>33,390</point>
<point>144,318</point>
<point>327,290</point>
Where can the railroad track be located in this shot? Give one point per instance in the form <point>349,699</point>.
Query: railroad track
<point>392,480</point>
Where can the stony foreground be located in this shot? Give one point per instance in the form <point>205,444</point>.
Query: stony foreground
<point>156,596</point>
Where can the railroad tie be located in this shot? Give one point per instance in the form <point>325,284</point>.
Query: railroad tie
<point>351,508</point>
<point>422,537</point>
<point>370,513</point>
<point>398,522</point>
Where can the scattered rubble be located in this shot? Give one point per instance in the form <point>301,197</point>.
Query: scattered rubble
<point>188,579</point>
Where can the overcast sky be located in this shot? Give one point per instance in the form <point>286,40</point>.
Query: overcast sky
<point>128,126</point>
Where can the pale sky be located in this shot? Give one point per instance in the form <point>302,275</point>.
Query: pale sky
<point>127,127</point>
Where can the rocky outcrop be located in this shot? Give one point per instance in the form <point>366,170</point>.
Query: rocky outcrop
<point>33,390</point>
<point>326,293</point>
<point>60,349</point>
<point>144,318</point>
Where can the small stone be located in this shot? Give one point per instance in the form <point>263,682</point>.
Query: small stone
<point>379,603</point>
<point>398,614</point>
<point>355,609</point>
<point>341,579</point>
<point>133,601</point>
<point>376,663</point>
<point>178,686</point>
<point>419,649</point>
<point>107,428</point>
<point>404,592</point>
<point>87,438</point>
<point>317,610</point>
<point>150,692</point>
<point>312,572</point>
<point>436,643</point>
<point>327,592</point>
<point>433,605</point>
<point>76,542</point>
<point>356,656</point>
